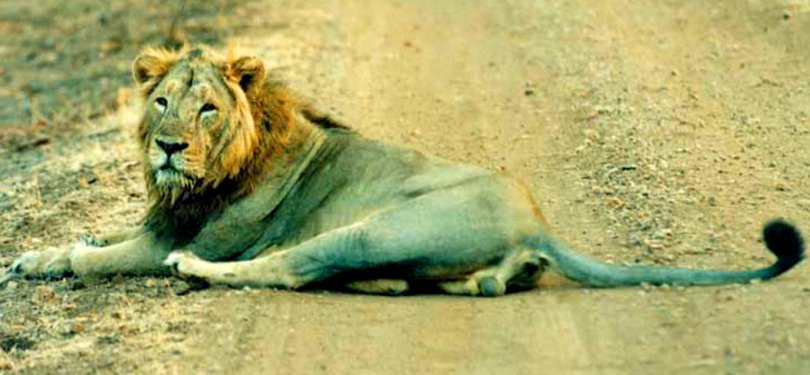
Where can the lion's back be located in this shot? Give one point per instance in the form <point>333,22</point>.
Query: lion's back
<point>354,177</point>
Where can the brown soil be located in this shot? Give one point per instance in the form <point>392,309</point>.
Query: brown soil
<point>654,132</point>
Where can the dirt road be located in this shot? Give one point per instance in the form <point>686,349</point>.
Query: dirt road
<point>654,132</point>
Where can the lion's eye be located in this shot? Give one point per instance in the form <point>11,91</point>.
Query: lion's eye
<point>161,103</point>
<point>208,107</point>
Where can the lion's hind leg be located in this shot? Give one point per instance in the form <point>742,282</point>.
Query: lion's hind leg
<point>518,270</point>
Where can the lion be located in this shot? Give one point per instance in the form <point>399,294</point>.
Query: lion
<point>249,185</point>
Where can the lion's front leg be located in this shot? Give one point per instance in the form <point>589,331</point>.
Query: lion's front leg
<point>128,253</point>
<point>54,263</point>
<point>51,263</point>
<point>268,272</point>
<point>142,254</point>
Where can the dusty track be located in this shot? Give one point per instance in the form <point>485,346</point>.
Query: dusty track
<point>653,132</point>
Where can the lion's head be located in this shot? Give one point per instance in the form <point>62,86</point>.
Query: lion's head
<point>198,127</point>
<point>211,128</point>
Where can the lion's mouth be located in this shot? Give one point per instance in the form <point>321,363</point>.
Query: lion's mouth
<point>169,176</point>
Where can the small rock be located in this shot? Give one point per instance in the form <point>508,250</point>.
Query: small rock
<point>528,89</point>
<point>150,283</point>
<point>76,328</point>
<point>655,245</point>
<point>615,202</point>
<point>662,233</point>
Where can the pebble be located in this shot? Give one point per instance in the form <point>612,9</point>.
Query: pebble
<point>615,202</point>
<point>76,328</point>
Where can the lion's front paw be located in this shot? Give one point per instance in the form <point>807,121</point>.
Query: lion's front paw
<point>29,264</point>
<point>181,262</point>
<point>187,266</point>
<point>51,264</point>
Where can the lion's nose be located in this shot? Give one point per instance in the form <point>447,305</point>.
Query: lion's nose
<point>171,147</point>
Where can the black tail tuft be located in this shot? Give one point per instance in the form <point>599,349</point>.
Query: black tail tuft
<point>784,241</point>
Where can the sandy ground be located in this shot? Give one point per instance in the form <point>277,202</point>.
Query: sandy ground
<point>653,132</point>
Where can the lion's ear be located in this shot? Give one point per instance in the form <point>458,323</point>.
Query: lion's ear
<point>247,71</point>
<point>151,65</point>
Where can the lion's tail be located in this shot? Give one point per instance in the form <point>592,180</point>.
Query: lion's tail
<point>781,238</point>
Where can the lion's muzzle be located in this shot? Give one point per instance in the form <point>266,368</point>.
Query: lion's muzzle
<point>168,161</point>
<point>169,154</point>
